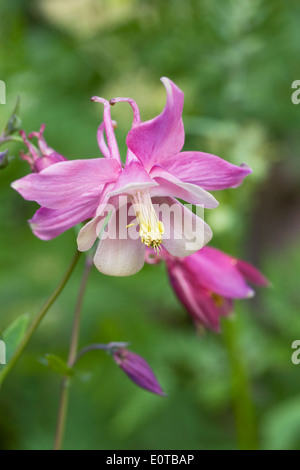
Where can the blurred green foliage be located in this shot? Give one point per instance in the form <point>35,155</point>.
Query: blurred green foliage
<point>236,62</point>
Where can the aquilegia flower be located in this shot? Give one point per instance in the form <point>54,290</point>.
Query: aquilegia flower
<point>207,282</point>
<point>155,174</point>
<point>44,156</point>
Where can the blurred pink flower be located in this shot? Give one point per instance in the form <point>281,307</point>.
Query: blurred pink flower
<point>156,172</point>
<point>207,282</point>
<point>44,156</point>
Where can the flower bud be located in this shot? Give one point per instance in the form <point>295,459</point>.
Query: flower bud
<point>4,160</point>
<point>42,157</point>
<point>137,369</point>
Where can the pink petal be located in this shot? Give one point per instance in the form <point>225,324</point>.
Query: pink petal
<point>208,312</point>
<point>251,273</point>
<point>217,272</point>
<point>49,223</point>
<point>195,299</point>
<point>206,170</point>
<point>157,140</point>
<point>59,185</point>
<point>169,185</point>
<point>185,232</point>
<point>43,162</point>
<point>105,197</point>
<point>132,178</point>
<point>118,253</point>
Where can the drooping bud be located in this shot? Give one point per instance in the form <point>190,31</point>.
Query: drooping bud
<point>137,369</point>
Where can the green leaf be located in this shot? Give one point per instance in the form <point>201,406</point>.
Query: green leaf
<point>14,123</point>
<point>58,365</point>
<point>14,334</point>
<point>280,428</point>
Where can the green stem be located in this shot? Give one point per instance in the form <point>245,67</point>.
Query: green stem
<point>38,318</point>
<point>11,138</point>
<point>65,385</point>
<point>241,394</point>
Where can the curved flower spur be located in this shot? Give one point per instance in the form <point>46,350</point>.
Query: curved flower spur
<point>140,196</point>
<point>41,157</point>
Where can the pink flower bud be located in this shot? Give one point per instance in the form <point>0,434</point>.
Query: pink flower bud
<point>137,369</point>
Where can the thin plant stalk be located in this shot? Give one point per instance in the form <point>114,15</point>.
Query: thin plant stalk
<point>244,410</point>
<point>38,318</point>
<point>65,385</point>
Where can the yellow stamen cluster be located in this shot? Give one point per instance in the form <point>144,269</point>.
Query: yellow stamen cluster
<point>151,229</point>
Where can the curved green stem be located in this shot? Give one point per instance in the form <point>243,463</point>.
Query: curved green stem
<point>65,385</point>
<point>38,318</point>
<point>109,347</point>
<point>241,392</point>
<point>11,138</point>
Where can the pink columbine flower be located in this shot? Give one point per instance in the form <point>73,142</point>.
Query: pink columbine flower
<point>44,156</point>
<point>138,370</point>
<point>207,282</point>
<point>155,174</point>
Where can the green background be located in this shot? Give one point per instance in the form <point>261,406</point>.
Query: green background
<point>236,62</point>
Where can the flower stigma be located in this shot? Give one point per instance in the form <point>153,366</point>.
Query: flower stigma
<point>151,229</point>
